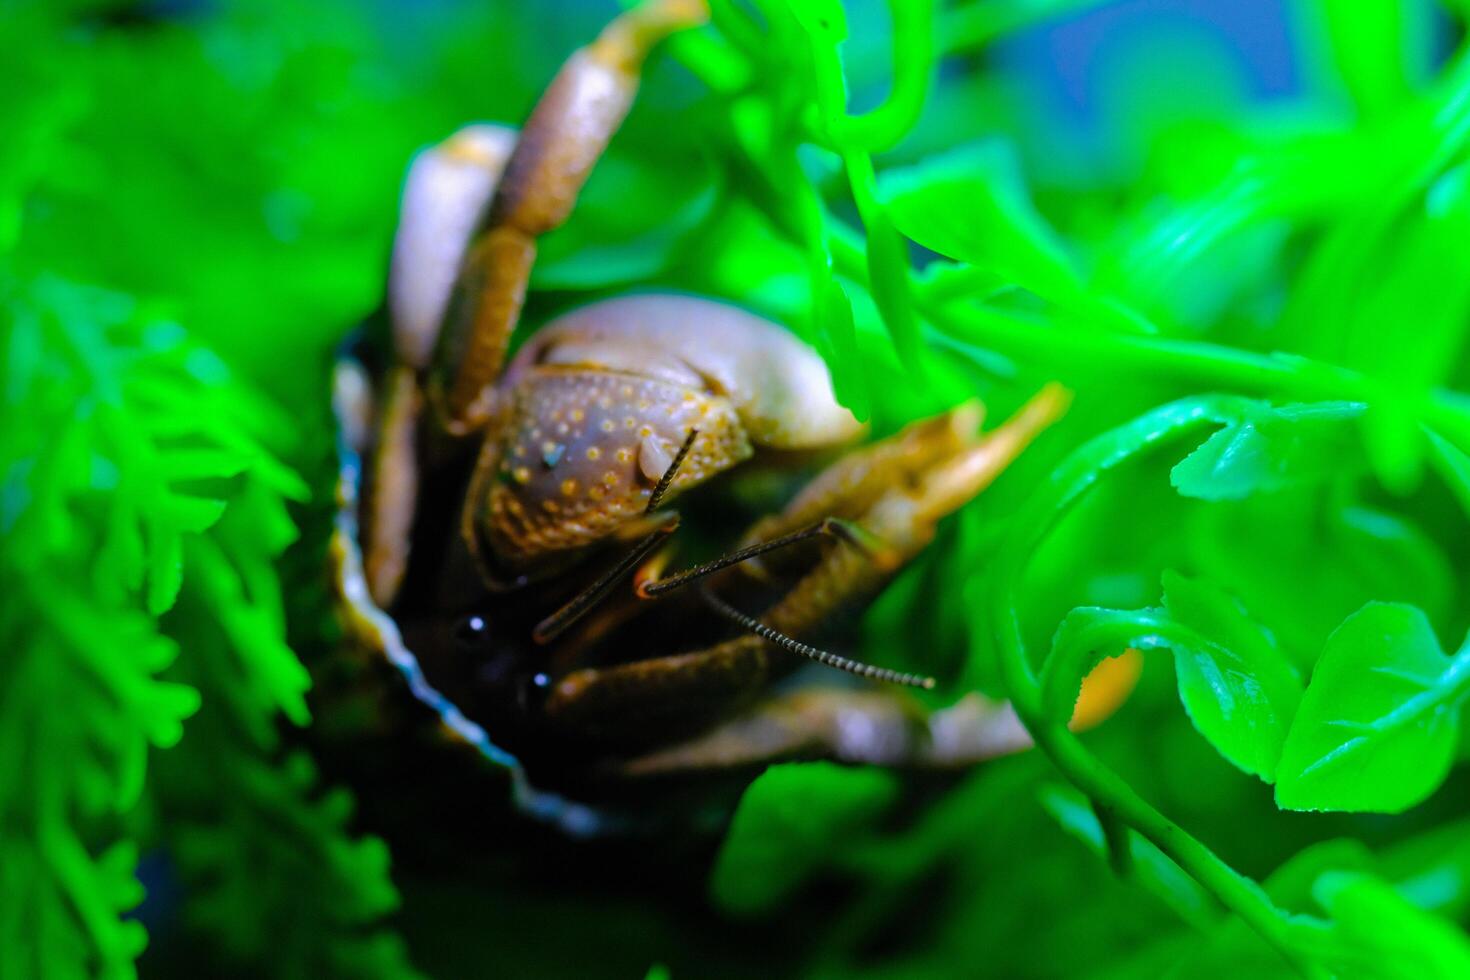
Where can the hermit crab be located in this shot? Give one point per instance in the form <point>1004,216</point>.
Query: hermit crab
<point>506,537</point>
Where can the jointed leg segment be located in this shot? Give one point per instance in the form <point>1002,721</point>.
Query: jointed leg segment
<point>899,505</point>
<point>564,136</point>
<point>473,208</point>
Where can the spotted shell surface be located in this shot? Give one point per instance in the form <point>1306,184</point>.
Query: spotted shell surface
<point>584,450</point>
<point>600,400</point>
<point>778,386</point>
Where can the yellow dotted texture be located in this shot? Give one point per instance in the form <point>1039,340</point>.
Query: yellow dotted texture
<point>571,470</point>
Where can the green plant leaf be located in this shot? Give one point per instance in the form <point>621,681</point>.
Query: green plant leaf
<point>1239,689</point>
<point>789,821</point>
<point>1302,577</point>
<point>1270,449</point>
<point>835,326</point>
<point>1377,725</point>
<point>1454,466</point>
<point>1379,935</point>
<point>971,205</point>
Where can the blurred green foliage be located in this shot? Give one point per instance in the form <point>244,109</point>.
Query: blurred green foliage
<point>1261,309</point>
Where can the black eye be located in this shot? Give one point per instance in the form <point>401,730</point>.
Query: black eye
<point>471,631</point>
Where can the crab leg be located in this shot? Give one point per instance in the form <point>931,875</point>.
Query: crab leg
<point>902,514</point>
<point>448,185</point>
<point>876,727</point>
<point>392,487</point>
<point>852,484</point>
<point>564,136</point>
<point>905,516</point>
<point>472,209</point>
<point>628,697</point>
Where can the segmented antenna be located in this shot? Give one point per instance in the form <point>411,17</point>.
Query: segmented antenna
<point>665,481</point>
<point>832,527</point>
<point>581,604</point>
<point>812,653</point>
<point>585,601</point>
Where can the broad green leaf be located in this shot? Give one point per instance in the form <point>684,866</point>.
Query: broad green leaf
<point>971,205</point>
<point>1306,569</point>
<point>836,328</point>
<point>1271,449</point>
<point>1453,466</point>
<point>1368,48</point>
<point>790,821</point>
<point>1239,689</point>
<point>1377,725</point>
<point>1379,935</point>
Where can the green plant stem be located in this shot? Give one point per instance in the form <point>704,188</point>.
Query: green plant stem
<point>1235,891</point>
<point>912,30</point>
<point>1111,793</point>
<point>1062,348</point>
<point>1115,836</point>
<point>1082,341</point>
<point>1068,484</point>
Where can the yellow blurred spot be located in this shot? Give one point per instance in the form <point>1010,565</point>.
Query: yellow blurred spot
<point>1106,688</point>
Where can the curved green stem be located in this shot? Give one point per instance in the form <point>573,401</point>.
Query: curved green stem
<point>1115,836</point>
<point>1076,476</point>
<point>1061,348</point>
<point>913,68</point>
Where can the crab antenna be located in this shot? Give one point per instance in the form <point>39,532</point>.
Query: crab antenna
<point>664,482</point>
<point>812,653</point>
<point>585,601</point>
<point>833,527</point>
